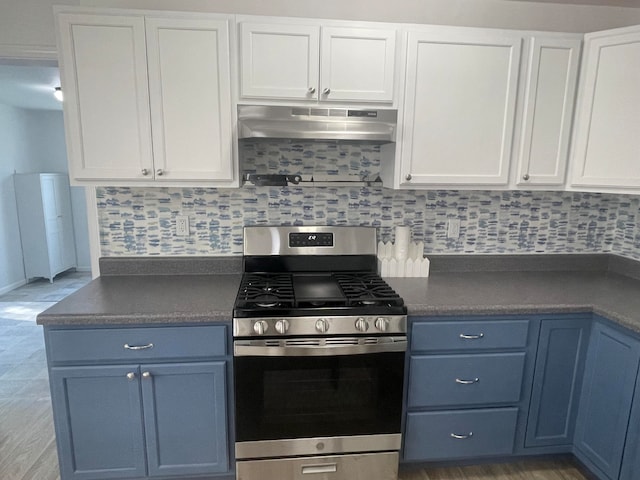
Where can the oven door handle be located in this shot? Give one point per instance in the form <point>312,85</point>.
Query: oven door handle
<point>265,348</point>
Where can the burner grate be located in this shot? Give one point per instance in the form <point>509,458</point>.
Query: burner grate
<point>265,291</point>
<point>367,289</point>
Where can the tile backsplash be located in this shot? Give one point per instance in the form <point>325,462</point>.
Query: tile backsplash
<point>141,221</point>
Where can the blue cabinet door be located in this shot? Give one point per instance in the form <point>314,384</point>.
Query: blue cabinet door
<point>607,393</point>
<point>185,418</point>
<point>98,422</point>
<point>562,348</point>
<point>631,459</point>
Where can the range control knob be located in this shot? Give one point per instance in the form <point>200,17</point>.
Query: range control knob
<point>282,326</point>
<point>362,325</point>
<point>382,324</point>
<point>260,327</point>
<point>322,325</point>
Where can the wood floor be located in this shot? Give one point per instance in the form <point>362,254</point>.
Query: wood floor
<point>27,445</point>
<point>556,469</point>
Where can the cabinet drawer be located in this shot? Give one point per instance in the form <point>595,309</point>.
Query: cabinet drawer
<point>427,336</point>
<point>92,345</point>
<point>458,434</point>
<point>465,379</point>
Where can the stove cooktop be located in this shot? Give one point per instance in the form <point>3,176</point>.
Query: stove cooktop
<point>308,294</point>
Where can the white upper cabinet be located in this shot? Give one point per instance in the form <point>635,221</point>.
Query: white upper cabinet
<point>314,63</point>
<point>279,61</point>
<point>606,150</point>
<point>460,99</point>
<point>357,64</point>
<point>106,107</point>
<point>547,113</point>
<point>189,85</point>
<point>147,99</point>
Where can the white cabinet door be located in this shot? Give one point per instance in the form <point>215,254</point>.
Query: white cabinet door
<point>357,64</point>
<point>606,152</point>
<point>190,93</point>
<point>547,113</point>
<point>104,78</point>
<point>461,91</point>
<point>279,61</point>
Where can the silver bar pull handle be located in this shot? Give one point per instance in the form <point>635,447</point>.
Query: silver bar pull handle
<point>471,337</point>
<point>467,382</point>
<point>138,347</point>
<point>328,468</point>
<point>462,437</point>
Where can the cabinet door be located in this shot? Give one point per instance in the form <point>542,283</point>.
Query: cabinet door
<point>65,221</point>
<point>459,108</point>
<point>357,64</point>
<point>607,144</point>
<point>279,61</point>
<point>631,458</point>
<point>185,418</point>
<point>98,419</point>
<point>556,383</point>
<point>53,226</point>
<point>106,107</point>
<point>552,77</point>
<point>190,97</point>
<point>610,374</point>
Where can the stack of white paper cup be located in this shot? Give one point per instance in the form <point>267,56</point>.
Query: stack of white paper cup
<point>403,237</point>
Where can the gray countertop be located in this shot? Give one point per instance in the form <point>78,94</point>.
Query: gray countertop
<point>137,299</point>
<point>610,295</point>
<point>195,298</point>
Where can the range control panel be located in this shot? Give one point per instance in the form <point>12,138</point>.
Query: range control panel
<point>311,239</point>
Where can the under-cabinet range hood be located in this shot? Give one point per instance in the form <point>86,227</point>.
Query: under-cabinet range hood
<point>317,123</point>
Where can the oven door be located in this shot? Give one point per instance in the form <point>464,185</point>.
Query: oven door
<point>318,396</point>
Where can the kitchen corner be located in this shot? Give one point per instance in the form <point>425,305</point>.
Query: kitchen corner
<point>189,302</point>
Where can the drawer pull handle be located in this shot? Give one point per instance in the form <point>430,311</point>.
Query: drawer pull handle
<point>462,437</point>
<point>467,382</point>
<point>131,376</point>
<point>328,468</point>
<point>471,337</point>
<point>137,347</point>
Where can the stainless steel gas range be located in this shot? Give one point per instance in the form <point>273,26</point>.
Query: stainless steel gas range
<point>319,342</point>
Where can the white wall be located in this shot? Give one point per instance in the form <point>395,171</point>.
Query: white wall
<point>13,148</point>
<point>479,13</point>
<point>28,23</point>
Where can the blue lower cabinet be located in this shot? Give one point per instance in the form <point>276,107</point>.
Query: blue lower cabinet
<point>557,380</point>
<point>185,418</point>
<point>631,459</point>
<point>156,410</point>
<point>606,399</point>
<point>453,434</point>
<point>98,417</point>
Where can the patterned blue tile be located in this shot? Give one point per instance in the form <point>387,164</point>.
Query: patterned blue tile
<point>141,221</point>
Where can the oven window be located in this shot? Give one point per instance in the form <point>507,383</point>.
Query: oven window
<point>297,397</point>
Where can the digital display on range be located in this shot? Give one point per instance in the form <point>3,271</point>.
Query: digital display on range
<point>311,239</point>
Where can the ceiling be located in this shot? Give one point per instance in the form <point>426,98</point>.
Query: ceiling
<point>607,3</point>
<point>27,86</point>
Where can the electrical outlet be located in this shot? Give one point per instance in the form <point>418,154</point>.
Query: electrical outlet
<point>182,225</point>
<point>453,228</point>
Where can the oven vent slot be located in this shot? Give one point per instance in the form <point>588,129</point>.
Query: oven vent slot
<point>299,342</point>
<point>343,341</point>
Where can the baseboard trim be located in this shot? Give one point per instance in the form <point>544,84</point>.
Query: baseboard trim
<point>13,286</point>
